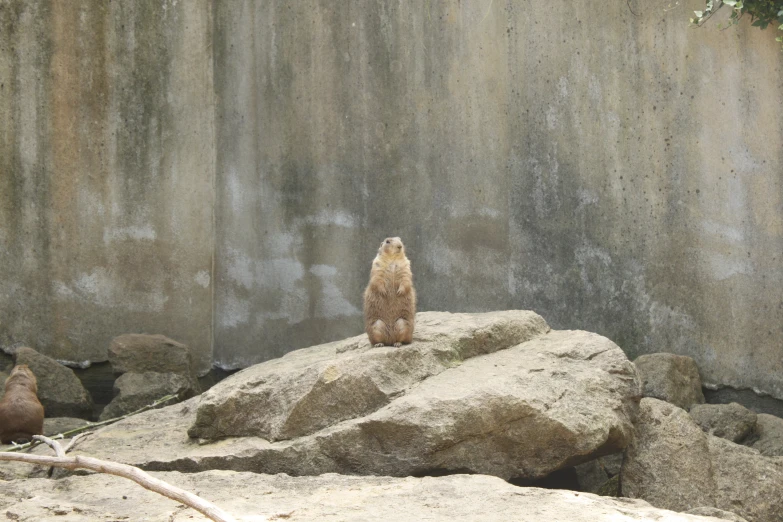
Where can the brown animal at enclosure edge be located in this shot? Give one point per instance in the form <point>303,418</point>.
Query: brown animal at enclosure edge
<point>390,299</point>
<point>21,413</point>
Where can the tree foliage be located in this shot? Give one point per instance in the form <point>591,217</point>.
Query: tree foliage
<point>762,12</point>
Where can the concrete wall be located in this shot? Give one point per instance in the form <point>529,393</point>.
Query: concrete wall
<point>606,166</point>
<point>106,174</point>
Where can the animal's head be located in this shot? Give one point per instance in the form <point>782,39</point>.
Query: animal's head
<point>392,246</point>
<point>21,375</point>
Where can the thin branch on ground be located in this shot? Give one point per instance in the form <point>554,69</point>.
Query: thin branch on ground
<point>76,438</point>
<point>135,474</point>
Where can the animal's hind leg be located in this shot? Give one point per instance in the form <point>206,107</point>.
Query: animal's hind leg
<point>378,333</point>
<point>403,332</point>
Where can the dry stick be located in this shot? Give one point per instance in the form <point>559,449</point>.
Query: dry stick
<point>142,478</point>
<point>91,425</point>
<point>73,441</point>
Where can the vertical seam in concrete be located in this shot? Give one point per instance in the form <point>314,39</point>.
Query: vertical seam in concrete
<point>211,43</point>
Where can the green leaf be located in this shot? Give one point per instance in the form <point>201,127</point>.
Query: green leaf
<point>732,3</point>
<point>700,14</point>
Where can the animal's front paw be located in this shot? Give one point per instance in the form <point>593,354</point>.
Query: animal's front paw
<point>397,345</point>
<point>401,290</point>
<point>379,345</point>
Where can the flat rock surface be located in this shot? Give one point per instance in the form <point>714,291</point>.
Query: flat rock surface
<point>517,408</point>
<point>330,497</point>
<point>717,513</point>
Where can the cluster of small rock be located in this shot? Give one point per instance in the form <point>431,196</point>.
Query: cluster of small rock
<point>675,379</point>
<point>147,367</point>
<point>687,453</point>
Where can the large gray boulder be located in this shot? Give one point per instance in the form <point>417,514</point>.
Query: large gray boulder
<point>671,378</point>
<point>314,388</point>
<point>674,465</point>
<point>59,389</point>
<point>133,391</point>
<point>330,497</point>
<point>668,464</point>
<point>767,436</point>
<point>732,422</point>
<point>746,482</point>
<point>141,353</point>
<point>492,393</point>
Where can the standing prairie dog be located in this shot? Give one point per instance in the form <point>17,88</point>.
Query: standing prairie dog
<point>21,413</point>
<point>390,299</point>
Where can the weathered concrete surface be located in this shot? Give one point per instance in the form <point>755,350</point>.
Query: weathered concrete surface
<point>248,496</point>
<point>613,171</point>
<point>608,167</point>
<point>106,174</point>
